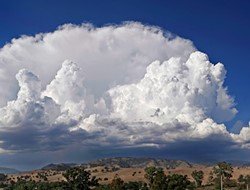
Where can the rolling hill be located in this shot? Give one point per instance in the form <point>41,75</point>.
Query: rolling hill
<point>5,170</point>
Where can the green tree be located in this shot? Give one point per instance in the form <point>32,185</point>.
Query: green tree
<point>117,183</point>
<point>156,178</point>
<point>241,178</point>
<point>3,177</point>
<point>79,179</point>
<point>198,177</point>
<point>135,185</point>
<point>245,180</point>
<point>31,185</point>
<point>178,182</point>
<point>223,172</point>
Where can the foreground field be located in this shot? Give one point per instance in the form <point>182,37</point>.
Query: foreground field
<point>107,174</point>
<point>126,173</point>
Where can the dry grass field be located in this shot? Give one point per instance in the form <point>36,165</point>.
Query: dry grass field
<point>127,174</point>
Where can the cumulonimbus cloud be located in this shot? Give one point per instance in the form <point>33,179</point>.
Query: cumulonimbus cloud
<point>129,85</point>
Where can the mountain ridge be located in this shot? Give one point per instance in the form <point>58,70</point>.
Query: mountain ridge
<point>6,170</point>
<point>124,162</point>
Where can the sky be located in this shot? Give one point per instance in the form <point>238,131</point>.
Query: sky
<point>82,80</point>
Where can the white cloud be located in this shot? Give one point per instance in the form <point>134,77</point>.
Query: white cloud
<point>187,91</point>
<point>127,86</point>
<point>67,90</point>
<point>243,138</point>
<point>108,55</point>
<point>25,109</point>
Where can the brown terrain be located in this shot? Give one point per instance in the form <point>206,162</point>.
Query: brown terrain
<point>125,168</point>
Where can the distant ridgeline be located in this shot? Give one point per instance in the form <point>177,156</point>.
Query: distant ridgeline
<point>4,170</point>
<point>125,162</point>
<point>60,167</point>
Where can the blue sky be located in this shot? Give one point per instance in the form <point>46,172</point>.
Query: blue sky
<point>220,29</point>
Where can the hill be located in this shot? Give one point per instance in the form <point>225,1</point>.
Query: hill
<point>128,169</point>
<point>128,162</point>
<point>124,162</point>
<point>8,170</point>
<point>58,167</point>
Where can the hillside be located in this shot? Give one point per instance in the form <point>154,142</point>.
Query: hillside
<point>59,167</point>
<point>128,169</point>
<point>5,170</point>
<point>127,162</point>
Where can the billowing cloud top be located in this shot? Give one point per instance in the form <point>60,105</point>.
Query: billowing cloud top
<point>116,86</point>
<point>187,91</point>
<point>107,56</point>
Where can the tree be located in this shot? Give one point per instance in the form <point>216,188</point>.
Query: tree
<point>3,177</point>
<point>198,177</point>
<point>178,182</point>
<point>79,179</point>
<point>245,180</point>
<point>117,183</point>
<point>223,171</point>
<point>241,178</point>
<point>210,177</point>
<point>156,178</point>
<point>32,185</point>
<point>135,185</point>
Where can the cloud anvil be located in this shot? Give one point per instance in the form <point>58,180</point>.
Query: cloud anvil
<point>128,86</point>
